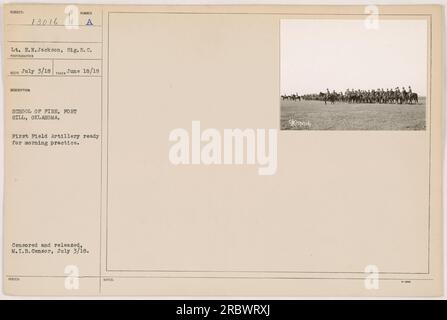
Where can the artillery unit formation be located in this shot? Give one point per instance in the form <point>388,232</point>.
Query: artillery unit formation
<point>382,96</point>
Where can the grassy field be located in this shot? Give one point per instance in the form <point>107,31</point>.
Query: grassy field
<point>315,115</point>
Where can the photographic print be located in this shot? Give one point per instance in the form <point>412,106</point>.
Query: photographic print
<point>351,75</point>
<point>154,151</point>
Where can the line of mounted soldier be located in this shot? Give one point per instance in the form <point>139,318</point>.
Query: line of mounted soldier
<point>361,96</point>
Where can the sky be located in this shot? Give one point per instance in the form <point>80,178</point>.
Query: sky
<point>341,54</point>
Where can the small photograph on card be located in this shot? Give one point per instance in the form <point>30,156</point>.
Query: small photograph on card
<point>357,74</point>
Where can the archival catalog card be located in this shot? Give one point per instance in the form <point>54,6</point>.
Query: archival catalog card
<point>223,150</point>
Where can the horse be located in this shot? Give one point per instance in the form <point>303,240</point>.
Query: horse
<point>323,96</point>
<point>332,97</point>
<point>413,98</point>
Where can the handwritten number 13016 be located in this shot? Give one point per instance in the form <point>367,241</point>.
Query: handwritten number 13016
<point>44,22</point>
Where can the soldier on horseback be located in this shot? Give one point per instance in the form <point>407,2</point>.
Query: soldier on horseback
<point>412,96</point>
<point>389,95</point>
<point>397,95</point>
<point>404,95</point>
